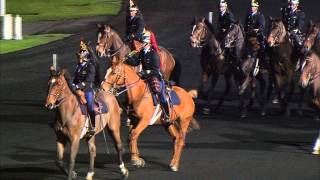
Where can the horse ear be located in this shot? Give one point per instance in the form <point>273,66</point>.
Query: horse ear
<point>62,72</point>
<point>203,19</point>
<point>108,29</point>
<point>99,25</point>
<point>311,23</point>
<point>270,18</point>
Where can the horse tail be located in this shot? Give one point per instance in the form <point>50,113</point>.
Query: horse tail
<point>193,93</point>
<point>194,125</point>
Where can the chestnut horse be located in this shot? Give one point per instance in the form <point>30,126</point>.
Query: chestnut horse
<point>311,76</point>
<point>312,38</point>
<point>70,123</point>
<point>109,41</point>
<point>141,100</point>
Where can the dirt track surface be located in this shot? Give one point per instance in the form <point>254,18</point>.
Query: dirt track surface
<point>226,147</point>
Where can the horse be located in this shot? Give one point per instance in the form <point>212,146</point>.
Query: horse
<point>212,59</point>
<point>70,124</point>
<point>312,38</point>
<point>283,62</point>
<point>141,100</point>
<point>311,76</point>
<point>250,68</point>
<point>109,41</point>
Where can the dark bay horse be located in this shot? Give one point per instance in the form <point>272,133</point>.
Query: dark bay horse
<point>70,123</point>
<point>212,59</point>
<point>109,41</point>
<point>250,68</point>
<point>141,100</point>
<point>311,76</point>
<point>283,62</point>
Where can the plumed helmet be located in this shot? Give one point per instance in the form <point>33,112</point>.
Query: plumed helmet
<point>134,8</point>
<point>83,51</point>
<point>254,3</point>
<point>223,3</point>
<point>294,1</point>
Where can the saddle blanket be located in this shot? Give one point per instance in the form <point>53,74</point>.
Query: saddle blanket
<point>99,108</point>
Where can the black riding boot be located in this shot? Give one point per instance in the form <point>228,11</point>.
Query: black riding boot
<point>166,113</point>
<point>92,123</point>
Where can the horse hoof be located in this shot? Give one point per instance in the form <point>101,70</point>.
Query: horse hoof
<point>300,113</point>
<point>89,176</point>
<point>316,152</point>
<point>206,111</point>
<point>125,174</point>
<point>263,113</point>
<point>138,163</point>
<point>73,175</point>
<point>316,118</point>
<point>244,115</point>
<point>275,101</point>
<point>174,168</point>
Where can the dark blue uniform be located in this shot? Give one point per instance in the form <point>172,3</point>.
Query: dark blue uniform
<point>295,23</point>
<point>225,21</point>
<point>150,61</point>
<point>84,79</point>
<point>135,26</point>
<point>285,11</point>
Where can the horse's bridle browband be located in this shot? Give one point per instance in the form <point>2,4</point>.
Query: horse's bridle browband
<point>202,31</point>
<point>57,95</point>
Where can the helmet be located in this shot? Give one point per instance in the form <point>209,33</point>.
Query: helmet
<point>134,8</point>
<point>254,3</point>
<point>223,3</point>
<point>83,51</point>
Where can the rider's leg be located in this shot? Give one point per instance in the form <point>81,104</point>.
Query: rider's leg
<point>164,103</point>
<point>90,105</point>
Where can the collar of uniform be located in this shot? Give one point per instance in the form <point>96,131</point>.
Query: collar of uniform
<point>146,50</point>
<point>223,12</point>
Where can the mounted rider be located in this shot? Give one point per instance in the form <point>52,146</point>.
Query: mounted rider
<point>295,24</point>
<point>150,60</point>
<point>285,11</point>
<point>134,25</point>
<point>255,26</point>
<point>226,18</point>
<point>85,77</point>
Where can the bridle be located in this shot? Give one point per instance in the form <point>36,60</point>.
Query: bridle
<point>276,36</point>
<point>231,43</point>
<point>104,45</point>
<point>58,94</point>
<point>201,30</point>
<point>114,87</point>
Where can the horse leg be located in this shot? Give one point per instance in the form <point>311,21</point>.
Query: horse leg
<point>92,153</point>
<point>262,83</point>
<point>172,130</point>
<point>244,85</point>
<point>61,144</point>
<point>300,104</point>
<point>268,95</point>
<point>73,154</point>
<point>136,160</point>
<point>214,80</point>
<point>227,78</point>
<point>180,142</point>
<point>204,89</point>
<point>115,134</point>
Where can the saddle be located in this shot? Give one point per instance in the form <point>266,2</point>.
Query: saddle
<point>99,106</point>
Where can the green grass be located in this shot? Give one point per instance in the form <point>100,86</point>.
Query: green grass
<point>7,46</point>
<point>39,10</point>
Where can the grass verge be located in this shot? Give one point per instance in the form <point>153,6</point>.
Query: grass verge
<point>7,46</point>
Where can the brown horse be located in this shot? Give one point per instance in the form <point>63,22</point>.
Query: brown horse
<point>70,123</point>
<point>109,41</point>
<point>312,38</point>
<point>311,76</point>
<point>141,100</point>
<point>283,62</point>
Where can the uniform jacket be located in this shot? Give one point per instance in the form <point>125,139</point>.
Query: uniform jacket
<point>255,21</point>
<point>225,20</point>
<point>285,11</point>
<point>296,20</point>
<point>149,61</point>
<point>135,26</point>
<point>84,76</point>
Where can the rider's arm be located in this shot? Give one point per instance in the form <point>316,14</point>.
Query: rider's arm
<point>133,60</point>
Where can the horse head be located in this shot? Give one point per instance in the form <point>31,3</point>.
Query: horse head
<point>313,35</point>
<point>104,40</point>
<point>311,69</point>
<point>233,34</point>
<point>115,76</point>
<point>200,33</point>
<point>277,32</point>
<point>56,86</point>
